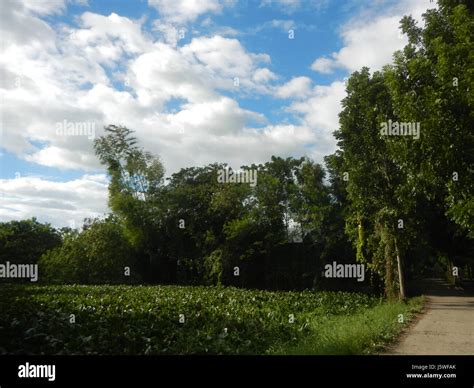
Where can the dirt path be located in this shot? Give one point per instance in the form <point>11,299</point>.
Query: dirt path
<point>446,328</point>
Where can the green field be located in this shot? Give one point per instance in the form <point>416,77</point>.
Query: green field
<point>193,320</point>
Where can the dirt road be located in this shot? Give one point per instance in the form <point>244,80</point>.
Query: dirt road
<point>446,328</point>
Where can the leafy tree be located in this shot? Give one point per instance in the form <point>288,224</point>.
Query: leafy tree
<point>98,254</point>
<point>24,242</point>
<point>432,81</point>
<point>407,180</point>
<point>134,194</point>
<point>373,179</point>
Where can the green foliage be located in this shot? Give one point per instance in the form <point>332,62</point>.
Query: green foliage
<point>364,332</point>
<point>195,230</point>
<point>360,244</point>
<point>375,179</point>
<point>134,194</point>
<point>213,265</point>
<point>145,320</point>
<point>432,82</point>
<point>99,254</point>
<point>427,183</point>
<point>25,241</point>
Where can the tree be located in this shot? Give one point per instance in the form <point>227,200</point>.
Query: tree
<point>374,180</point>
<point>98,254</point>
<point>432,81</point>
<point>134,195</point>
<point>403,191</point>
<point>24,242</point>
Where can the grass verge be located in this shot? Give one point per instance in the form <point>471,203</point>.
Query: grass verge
<point>365,332</point>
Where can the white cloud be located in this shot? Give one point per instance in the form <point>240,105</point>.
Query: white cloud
<point>370,45</point>
<point>44,7</point>
<point>63,77</point>
<point>197,70</point>
<point>298,87</point>
<point>19,26</point>
<point>248,146</point>
<point>182,11</point>
<point>164,73</point>
<point>322,108</point>
<point>264,75</point>
<point>320,112</point>
<point>63,158</point>
<point>219,117</point>
<point>371,39</point>
<point>107,39</point>
<point>59,203</point>
<point>323,65</point>
<point>224,55</point>
<point>206,126</point>
<point>170,33</point>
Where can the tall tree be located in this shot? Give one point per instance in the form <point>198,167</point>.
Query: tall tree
<point>374,180</point>
<point>432,81</point>
<point>134,195</point>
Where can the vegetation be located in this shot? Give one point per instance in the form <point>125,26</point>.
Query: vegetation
<point>99,254</point>
<point>401,205</point>
<point>214,320</point>
<point>25,241</point>
<point>364,332</point>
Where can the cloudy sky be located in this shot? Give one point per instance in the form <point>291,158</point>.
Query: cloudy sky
<point>199,81</point>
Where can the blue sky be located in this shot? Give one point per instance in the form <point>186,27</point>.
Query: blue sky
<point>199,82</point>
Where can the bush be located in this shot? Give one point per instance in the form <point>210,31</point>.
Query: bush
<point>23,242</point>
<point>99,254</point>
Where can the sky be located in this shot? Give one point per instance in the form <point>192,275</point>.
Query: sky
<point>199,81</point>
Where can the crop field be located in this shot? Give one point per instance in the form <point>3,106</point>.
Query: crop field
<point>193,320</point>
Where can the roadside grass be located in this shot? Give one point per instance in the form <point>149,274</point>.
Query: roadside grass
<point>365,332</point>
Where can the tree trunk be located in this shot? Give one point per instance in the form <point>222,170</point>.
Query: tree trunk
<point>401,277</point>
<point>388,281</point>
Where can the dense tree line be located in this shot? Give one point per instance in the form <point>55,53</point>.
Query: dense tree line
<point>401,203</point>
<point>193,229</point>
<point>411,199</point>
